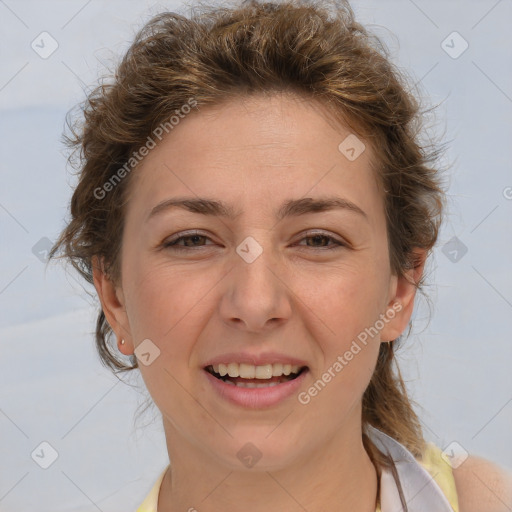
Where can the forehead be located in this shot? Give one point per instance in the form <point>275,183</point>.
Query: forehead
<point>257,149</point>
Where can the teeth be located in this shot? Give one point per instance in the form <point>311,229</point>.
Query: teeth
<point>249,371</point>
<point>233,370</point>
<point>254,385</point>
<point>277,370</point>
<point>262,372</point>
<point>221,369</point>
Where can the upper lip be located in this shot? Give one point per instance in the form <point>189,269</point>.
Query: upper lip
<point>255,359</point>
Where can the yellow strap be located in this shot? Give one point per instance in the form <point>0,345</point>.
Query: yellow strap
<point>151,502</point>
<point>432,461</point>
<point>441,472</point>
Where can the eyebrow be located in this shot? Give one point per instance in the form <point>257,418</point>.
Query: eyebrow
<point>290,208</point>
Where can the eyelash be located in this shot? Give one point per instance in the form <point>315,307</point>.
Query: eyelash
<point>172,244</point>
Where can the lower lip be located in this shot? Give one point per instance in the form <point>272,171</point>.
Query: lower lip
<point>256,398</point>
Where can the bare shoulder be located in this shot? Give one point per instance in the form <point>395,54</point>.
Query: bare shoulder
<point>483,486</point>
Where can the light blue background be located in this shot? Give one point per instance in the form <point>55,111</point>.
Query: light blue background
<point>52,386</point>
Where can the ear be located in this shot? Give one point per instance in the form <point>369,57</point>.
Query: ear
<point>113,305</point>
<point>401,298</point>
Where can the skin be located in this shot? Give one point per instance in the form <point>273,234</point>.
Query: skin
<point>298,299</point>
<point>483,485</point>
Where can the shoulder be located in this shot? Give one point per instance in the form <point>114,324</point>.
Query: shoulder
<point>483,486</point>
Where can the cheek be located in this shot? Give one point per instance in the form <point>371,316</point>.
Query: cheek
<point>341,312</point>
<point>342,309</point>
<point>169,308</point>
<point>347,299</point>
<point>160,297</point>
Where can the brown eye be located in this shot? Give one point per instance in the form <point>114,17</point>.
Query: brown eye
<point>318,240</point>
<point>322,241</point>
<point>193,240</point>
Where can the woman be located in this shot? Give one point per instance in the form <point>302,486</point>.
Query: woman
<point>255,211</point>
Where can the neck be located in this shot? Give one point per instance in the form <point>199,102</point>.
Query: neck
<point>337,475</point>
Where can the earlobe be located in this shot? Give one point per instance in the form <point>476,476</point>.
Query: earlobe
<point>113,305</point>
<point>401,304</point>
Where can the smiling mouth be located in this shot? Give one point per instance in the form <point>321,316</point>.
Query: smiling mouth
<point>255,382</point>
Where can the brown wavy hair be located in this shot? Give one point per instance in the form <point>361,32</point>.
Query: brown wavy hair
<point>315,49</point>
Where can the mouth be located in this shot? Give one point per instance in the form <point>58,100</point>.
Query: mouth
<point>250,376</point>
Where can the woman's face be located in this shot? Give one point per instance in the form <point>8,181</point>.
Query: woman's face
<point>262,274</point>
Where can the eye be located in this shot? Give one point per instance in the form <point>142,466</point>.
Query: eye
<point>197,240</point>
<point>320,240</point>
<point>190,241</point>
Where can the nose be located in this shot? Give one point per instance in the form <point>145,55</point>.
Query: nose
<point>256,296</point>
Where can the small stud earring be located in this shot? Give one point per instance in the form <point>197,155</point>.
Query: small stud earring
<point>122,342</point>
